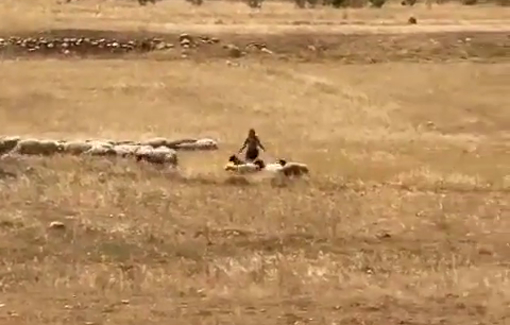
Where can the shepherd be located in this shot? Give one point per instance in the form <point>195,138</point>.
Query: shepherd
<point>252,145</point>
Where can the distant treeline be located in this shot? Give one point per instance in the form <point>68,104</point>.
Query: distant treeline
<point>347,3</point>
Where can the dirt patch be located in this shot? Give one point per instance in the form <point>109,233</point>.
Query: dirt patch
<point>348,48</point>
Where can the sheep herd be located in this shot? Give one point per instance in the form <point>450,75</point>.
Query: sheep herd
<point>159,151</point>
<point>69,45</point>
<point>118,44</point>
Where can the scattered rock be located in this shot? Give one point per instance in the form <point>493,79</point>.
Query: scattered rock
<point>256,46</point>
<point>186,41</point>
<point>265,50</point>
<point>163,46</point>
<point>383,235</point>
<point>57,225</point>
<point>233,64</point>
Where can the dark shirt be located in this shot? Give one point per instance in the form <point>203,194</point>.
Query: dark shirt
<point>252,143</point>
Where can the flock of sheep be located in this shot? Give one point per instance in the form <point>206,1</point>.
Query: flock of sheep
<point>159,151</point>
<point>118,45</point>
<point>81,44</point>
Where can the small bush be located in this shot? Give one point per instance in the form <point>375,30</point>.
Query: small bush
<point>300,3</point>
<point>377,3</point>
<point>338,3</point>
<point>144,2</point>
<point>409,3</point>
<point>196,2</point>
<point>303,3</point>
<point>345,3</point>
<point>255,3</point>
<point>312,3</point>
<point>469,2</point>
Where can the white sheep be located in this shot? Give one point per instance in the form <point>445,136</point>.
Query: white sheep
<point>100,143</point>
<point>76,147</point>
<point>200,144</point>
<point>144,149</point>
<point>155,142</point>
<point>100,148</point>
<point>37,147</point>
<point>123,142</point>
<point>174,144</point>
<point>160,156</point>
<point>124,150</point>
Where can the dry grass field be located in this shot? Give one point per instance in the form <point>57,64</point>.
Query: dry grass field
<point>405,218</point>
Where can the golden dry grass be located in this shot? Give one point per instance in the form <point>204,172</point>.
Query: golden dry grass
<point>309,250</point>
<point>404,220</point>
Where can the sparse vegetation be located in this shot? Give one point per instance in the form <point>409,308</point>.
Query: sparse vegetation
<point>196,2</point>
<point>409,2</point>
<point>402,220</point>
<point>255,4</point>
<point>338,3</point>
<point>145,2</point>
<point>377,3</point>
